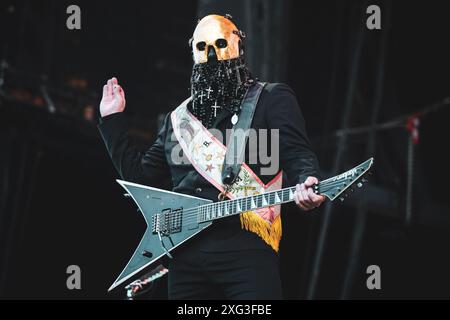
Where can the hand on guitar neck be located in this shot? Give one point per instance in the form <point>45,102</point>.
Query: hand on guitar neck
<point>304,195</point>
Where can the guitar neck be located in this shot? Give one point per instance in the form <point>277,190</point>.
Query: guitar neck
<point>217,210</point>
<point>333,188</point>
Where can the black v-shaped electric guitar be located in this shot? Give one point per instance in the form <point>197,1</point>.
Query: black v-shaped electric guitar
<point>173,218</point>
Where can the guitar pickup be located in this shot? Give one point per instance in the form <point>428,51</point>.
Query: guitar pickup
<point>167,222</point>
<point>176,220</point>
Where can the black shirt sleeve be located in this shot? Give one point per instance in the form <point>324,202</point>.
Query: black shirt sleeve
<point>145,168</point>
<point>297,159</point>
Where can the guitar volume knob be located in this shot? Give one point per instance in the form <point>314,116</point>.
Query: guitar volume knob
<point>147,254</point>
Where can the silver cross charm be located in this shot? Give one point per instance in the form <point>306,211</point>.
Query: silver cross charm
<point>209,90</point>
<point>201,95</point>
<point>215,106</point>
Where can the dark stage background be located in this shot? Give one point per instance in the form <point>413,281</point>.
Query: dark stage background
<point>60,204</point>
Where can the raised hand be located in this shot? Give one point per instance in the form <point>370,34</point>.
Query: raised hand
<point>113,99</point>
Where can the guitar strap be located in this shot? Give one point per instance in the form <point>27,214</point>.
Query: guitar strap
<point>239,135</point>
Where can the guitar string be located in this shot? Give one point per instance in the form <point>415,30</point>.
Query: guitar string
<point>230,207</point>
<point>325,186</point>
<point>192,215</point>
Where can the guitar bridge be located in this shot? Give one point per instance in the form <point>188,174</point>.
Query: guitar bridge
<point>167,222</point>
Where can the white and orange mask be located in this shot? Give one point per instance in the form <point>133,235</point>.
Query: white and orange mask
<point>216,38</point>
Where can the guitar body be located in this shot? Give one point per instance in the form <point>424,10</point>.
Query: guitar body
<point>152,201</point>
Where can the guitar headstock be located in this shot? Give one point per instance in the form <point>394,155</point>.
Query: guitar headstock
<point>342,185</point>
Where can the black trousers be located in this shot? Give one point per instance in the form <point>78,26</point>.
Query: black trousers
<point>243,274</point>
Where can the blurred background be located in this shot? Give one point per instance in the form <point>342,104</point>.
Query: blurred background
<point>381,93</point>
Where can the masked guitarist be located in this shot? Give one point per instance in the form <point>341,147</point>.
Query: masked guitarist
<point>237,257</point>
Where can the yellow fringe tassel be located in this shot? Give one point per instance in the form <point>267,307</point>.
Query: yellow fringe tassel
<point>270,233</point>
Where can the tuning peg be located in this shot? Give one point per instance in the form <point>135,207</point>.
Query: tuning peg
<point>342,199</point>
<point>359,184</point>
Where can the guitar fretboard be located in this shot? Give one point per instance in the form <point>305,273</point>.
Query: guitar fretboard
<point>227,208</point>
<point>332,188</point>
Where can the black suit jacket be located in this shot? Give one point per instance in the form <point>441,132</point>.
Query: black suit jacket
<point>277,108</point>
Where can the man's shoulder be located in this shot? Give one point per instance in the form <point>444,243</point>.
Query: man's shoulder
<point>276,86</point>
<point>276,91</point>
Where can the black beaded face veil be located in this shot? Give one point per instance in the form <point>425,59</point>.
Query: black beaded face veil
<point>219,84</point>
